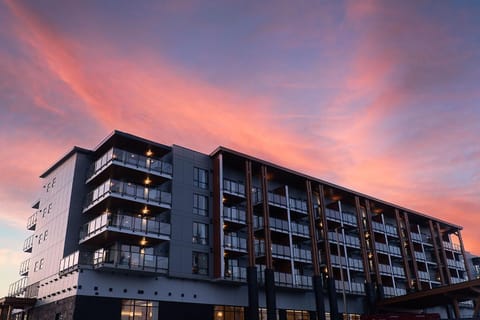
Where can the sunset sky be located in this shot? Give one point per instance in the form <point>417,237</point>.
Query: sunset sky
<point>379,96</point>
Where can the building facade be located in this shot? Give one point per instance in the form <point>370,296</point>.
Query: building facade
<point>134,229</point>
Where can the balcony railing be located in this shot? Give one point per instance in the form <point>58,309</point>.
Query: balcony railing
<point>348,240</point>
<point>282,225</point>
<point>391,230</point>
<point>130,159</point>
<point>353,287</point>
<point>234,187</point>
<point>18,287</point>
<point>392,292</point>
<point>420,256</point>
<point>423,275</point>
<point>124,223</point>
<point>234,243</point>
<point>416,236</point>
<point>298,205</point>
<point>28,244</point>
<point>32,222</point>
<point>135,261</point>
<point>234,214</point>
<point>451,246</point>
<point>73,261</point>
<point>356,264</point>
<point>302,255</point>
<point>456,264</point>
<point>398,271</point>
<point>385,269</point>
<point>236,273</point>
<point>24,267</point>
<point>129,191</point>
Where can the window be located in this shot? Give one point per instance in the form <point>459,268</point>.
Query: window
<point>200,233</point>
<point>297,315</point>
<point>228,313</point>
<point>200,204</point>
<point>200,178</point>
<point>139,310</point>
<point>200,263</point>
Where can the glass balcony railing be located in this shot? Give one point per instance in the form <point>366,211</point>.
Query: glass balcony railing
<point>32,222</point>
<point>73,261</point>
<point>352,287</point>
<point>234,243</point>
<point>148,226</point>
<point>234,187</point>
<point>28,244</point>
<point>282,226</point>
<point>18,287</point>
<point>393,292</point>
<point>24,267</point>
<point>416,236</point>
<point>303,281</point>
<point>451,246</point>
<point>398,271</point>
<point>420,256</point>
<point>348,240</point>
<point>298,205</point>
<point>456,264</point>
<point>284,279</point>
<point>378,226</point>
<point>385,269</point>
<point>356,264</point>
<point>236,273</point>
<point>302,255</point>
<point>234,214</point>
<point>128,191</point>
<point>130,159</point>
<point>391,230</point>
<point>333,214</point>
<point>135,261</point>
<point>394,250</point>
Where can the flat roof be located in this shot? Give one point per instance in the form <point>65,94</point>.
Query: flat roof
<point>439,296</point>
<point>65,158</point>
<point>270,164</point>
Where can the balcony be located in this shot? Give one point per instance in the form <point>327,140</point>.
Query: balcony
<point>234,188</point>
<point>398,271</point>
<point>391,230</point>
<point>420,256</point>
<point>128,191</point>
<point>456,264</point>
<point>28,244</point>
<point>302,255</point>
<point>130,160</point>
<point>451,246</point>
<point>416,236</point>
<point>234,243</point>
<point>18,287</point>
<point>348,240</point>
<point>234,214</point>
<point>385,269</point>
<point>423,275</point>
<point>24,267</point>
<point>393,292</point>
<point>352,287</point>
<point>378,226</point>
<point>303,281</point>
<point>111,259</point>
<point>298,205</point>
<point>280,225</point>
<point>355,264</point>
<point>110,225</point>
<point>32,222</point>
<point>278,251</point>
<point>235,273</point>
<point>71,262</point>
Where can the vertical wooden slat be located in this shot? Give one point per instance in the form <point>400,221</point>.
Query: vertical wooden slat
<point>361,231</point>
<point>412,250</point>
<point>436,249</point>
<point>324,230</point>
<point>373,249</point>
<point>311,219</point>
<point>217,227</point>
<point>249,212</point>
<point>403,249</point>
<point>443,254</point>
<point>266,220</point>
<point>462,248</point>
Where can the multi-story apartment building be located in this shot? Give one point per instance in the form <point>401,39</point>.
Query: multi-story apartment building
<point>134,229</point>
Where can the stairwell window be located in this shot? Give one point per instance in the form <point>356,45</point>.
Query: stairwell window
<point>200,233</point>
<point>200,263</point>
<point>200,204</point>
<point>200,178</point>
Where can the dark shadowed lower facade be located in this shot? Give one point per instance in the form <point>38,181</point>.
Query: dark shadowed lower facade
<point>134,229</point>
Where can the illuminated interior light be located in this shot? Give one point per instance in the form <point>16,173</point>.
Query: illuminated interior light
<point>148,180</point>
<point>149,153</point>
<point>143,241</point>
<point>145,210</point>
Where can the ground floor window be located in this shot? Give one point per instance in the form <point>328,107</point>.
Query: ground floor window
<point>139,310</point>
<point>297,315</point>
<point>228,313</point>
